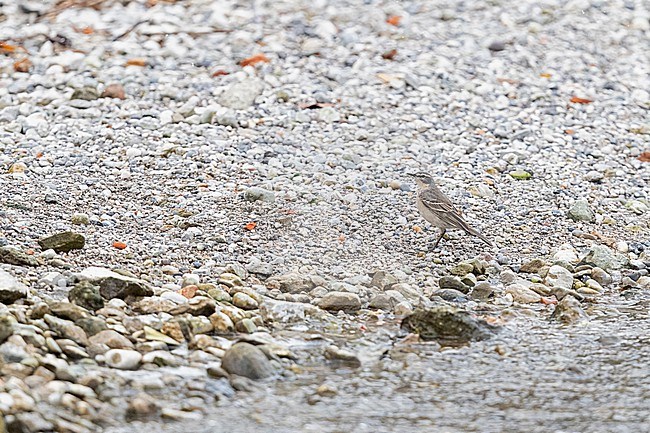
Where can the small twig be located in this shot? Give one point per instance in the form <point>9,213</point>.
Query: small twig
<point>129,30</point>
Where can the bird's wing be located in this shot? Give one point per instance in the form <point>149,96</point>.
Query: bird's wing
<point>444,209</point>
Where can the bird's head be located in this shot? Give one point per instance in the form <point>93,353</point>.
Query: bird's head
<point>422,179</point>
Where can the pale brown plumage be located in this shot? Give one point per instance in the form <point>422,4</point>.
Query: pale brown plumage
<point>437,209</point>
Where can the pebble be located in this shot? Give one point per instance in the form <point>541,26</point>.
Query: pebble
<point>340,301</point>
<point>123,359</point>
<point>581,211</point>
<point>245,359</point>
<point>559,276</point>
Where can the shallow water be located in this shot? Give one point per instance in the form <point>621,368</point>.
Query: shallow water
<point>535,376</point>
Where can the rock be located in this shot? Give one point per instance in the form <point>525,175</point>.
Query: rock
<point>114,285</point>
<point>63,242</point>
<point>569,311</point>
<point>11,289</point>
<point>447,324</point>
<point>142,406</point>
<point>257,267</point>
<point>199,306</point>
<point>522,294</point>
<point>482,291</point>
<point>497,46</point>
<point>242,95</point>
<point>334,353</point>
<point>243,301</point>
<point>67,310</point>
<point>246,326</point>
<point>451,295</point>
<point>403,308</point>
<point>558,276</point>
<point>533,266</point>
<point>85,294</point>
<point>604,258</point>
<point>383,280</point>
<point>222,323</point>
<point>123,359</point>
<point>287,312</point>
<point>86,93</point>
<point>91,325</point>
<point>259,194</point>
<point>153,335</point>
<point>13,256</point>
<point>448,282</point>
<point>161,358</point>
<point>6,327</point>
<point>462,268</point>
<point>29,422</point>
<point>337,301</point>
<point>520,175</point>
<point>580,211</point>
<point>112,339</point>
<point>114,91</point>
<point>291,282</point>
<point>245,359</point>
<point>67,329</point>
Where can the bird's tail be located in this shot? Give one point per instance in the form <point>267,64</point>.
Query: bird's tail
<point>476,233</point>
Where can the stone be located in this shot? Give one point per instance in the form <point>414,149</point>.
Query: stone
<point>497,46</point>
<point>91,325</point>
<point>114,90</point>
<point>383,280</point>
<point>153,335</point>
<point>67,310</point>
<point>569,311</point>
<point>340,301</point>
<point>86,93</point>
<point>63,242</point>
<point>114,285</point>
<point>580,211</point>
<point>80,219</point>
<point>11,289</point>
<point>334,353</point>
<point>29,422</point>
<point>448,282</point>
<point>451,295</point>
<point>447,325</point>
<point>243,301</point>
<point>482,291</point>
<point>245,359</point>
<point>7,323</point>
<point>240,96</point>
<point>199,306</point>
<point>523,294</point>
<point>259,194</point>
<point>559,276</point>
<point>291,282</point>
<point>462,268</point>
<point>142,407</point>
<point>520,175</point>
<point>123,359</point>
<point>605,258</point>
<point>67,329</point>
<point>246,326</point>
<point>272,310</point>
<point>86,295</point>
<point>13,256</point>
<point>112,339</point>
<point>161,358</point>
<point>532,266</point>
<point>257,267</point>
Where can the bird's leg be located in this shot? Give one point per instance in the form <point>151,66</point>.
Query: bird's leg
<point>442,233</point>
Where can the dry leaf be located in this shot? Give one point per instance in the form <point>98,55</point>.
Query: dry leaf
<point>219,73</point>
<point>136,62</point>
<point>569,131</point>
<point>119,245</point>
<point>7,48</point>
<point>578,100</point>
<point>85,30</point>
<point>389,55</point>
<point>394,20</point>
<point>250,226</point>
<point>23,65</point>
<point>644,157</point>
<point>257,58</point>
<point>417,229</point>
<point>114,91</point>
<point>545,75</point>
<point>548,301</point>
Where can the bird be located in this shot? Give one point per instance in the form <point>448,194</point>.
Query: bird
<point>438,210</point>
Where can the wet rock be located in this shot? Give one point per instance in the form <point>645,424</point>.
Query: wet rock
<point>569,311</point>
<point>334,353</point>
<point>114,285</point>
<point>533,266</point>
<point>63,242</point>
<point>14,256</point>
<point>454,283</point>
<point>580,211</point>
<point>340,301</point>
<point>245,359</point>
<point>291,282</point>
<point>259,194</point>
<point>288,312</point>
<point>161,358</point>
<point>123,359</point>
<point>153,335</point>
<point>11,289</point>
<point>605,258</point>
<point>403,308</point>
<point>243,301</point>
<point>560,293</point>
<point>558,276</point>
<point>91,325</point>
<point>523,294</point>
<point>86,294</point>
<point>246,326</point>
<point>142,407</point>
<point>482,291</point>
<point>383,280</point>
<point>29,422</point>
<point>447,324</point>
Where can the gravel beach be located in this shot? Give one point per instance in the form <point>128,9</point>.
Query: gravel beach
<point>207,223</point>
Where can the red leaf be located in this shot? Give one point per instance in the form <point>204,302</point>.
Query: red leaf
<point>119,245</point>
<point>219,73</point>
<point>23,65</point>
<point>250,226</point>
<point>257,58</point>
<point>136,62</point>
<point>394,20</point>
<point>578,100</point>
<point>644,157</point>
<point>389,55</point>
